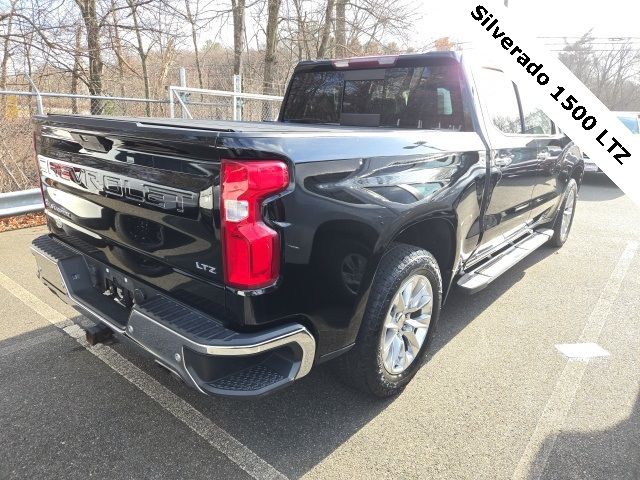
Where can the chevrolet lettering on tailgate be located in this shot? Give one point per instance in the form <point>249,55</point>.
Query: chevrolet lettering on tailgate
<point>107,183</point>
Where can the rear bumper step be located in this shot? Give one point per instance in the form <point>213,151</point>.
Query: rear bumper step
<point>481,276</point>
<point>200,349</point>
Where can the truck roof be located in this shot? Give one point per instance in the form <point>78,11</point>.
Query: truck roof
<point>380,61</point>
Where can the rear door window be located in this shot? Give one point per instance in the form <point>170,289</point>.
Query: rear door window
<point>536,122</point>
<point>499,95</point>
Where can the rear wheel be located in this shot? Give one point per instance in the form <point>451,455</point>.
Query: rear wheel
<point>566,212</point>
<point>399,321</point>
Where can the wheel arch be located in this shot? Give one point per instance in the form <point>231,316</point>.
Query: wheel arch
<point>437,235</point>
<point>334,230</point>
<point>577,173</point>
<point>573,162</point>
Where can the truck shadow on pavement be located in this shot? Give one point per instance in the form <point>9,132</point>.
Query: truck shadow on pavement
<point>610,454</point>
<point>297,428</point>
<point>461,308</point>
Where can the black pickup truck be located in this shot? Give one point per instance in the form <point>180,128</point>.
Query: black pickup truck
<point>241,254</point>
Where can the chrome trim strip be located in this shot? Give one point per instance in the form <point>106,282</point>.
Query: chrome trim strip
<point>183,364</point>
<point>254,292</point>
<point>300,336</point>
<point>72,225</point>
<point>479,278</point>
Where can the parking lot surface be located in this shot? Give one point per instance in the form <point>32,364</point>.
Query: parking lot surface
<point>495,399</point>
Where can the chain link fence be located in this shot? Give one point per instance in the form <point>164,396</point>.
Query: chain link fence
<point>200,106</point>
<point>17,158</point>
<point>17,161</point>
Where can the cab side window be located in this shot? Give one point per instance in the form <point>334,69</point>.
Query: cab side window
<point>500,95</point>
<point>536,121</point>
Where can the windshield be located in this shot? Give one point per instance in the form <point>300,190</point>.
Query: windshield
<point>632,123</point>
<point>424,97</point>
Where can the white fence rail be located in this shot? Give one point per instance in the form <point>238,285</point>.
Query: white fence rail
<point>181,96</point>
<point>20,93</point>
<point>19,203</point>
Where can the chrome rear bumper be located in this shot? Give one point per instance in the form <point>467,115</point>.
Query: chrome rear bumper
<point>200,349</point>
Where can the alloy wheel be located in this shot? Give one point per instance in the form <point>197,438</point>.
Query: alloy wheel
<point>406,324</point>
<point>567,214</point>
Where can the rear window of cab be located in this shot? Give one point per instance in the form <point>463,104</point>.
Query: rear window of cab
<point>421,97</point>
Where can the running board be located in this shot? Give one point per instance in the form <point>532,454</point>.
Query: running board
<point>475,280</point>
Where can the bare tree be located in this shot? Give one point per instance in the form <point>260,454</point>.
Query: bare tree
<point>238,7</point>
<point>302,34</point>
<point>77,68</point>
<point>192,20</point>
<point>341,28</point>
<point>143,53</point>
<point>93,27</point>
<point>273,7</point>
<point>6,44</point>
<point>326,29</point>
<point>116,45</point>
<point>610,69</point>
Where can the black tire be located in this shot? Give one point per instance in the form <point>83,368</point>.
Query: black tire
<point>570,192</point>
<point>362,367</point>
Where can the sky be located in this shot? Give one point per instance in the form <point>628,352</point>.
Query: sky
<point>571,18</point>
<point>553,18</point>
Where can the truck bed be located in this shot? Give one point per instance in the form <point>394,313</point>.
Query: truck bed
<point>209,125</point>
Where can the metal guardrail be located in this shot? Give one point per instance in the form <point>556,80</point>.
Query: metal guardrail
<point>18,203</point>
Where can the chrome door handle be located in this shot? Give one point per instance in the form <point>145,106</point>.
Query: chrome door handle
<point>503,161</point>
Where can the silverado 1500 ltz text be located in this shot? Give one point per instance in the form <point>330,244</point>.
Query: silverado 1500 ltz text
<point>241,254</point>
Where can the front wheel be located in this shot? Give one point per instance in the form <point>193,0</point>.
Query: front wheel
<point>566,212</point>
<point>399,321</point>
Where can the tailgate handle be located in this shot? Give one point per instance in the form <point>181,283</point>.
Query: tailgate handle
<point>93,143</point>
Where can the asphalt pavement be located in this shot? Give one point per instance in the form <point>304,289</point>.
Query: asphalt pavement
<point>495,400</point>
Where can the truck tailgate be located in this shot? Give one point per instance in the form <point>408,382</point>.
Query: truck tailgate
<point>139,197</point>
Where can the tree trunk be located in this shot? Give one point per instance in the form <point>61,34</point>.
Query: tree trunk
<point>92,26</point>
<point>341,28</point>
<point>238,34</point>
<point>326,29</point>
<point>117,48</point>
<point>303,38</point>
<point>5,49</point>
<point>194,39</point>
<point>273,8</point>
<point>270,49</point>
<point>75,74</point>
<point>142,54</point>
<point>5,57</point>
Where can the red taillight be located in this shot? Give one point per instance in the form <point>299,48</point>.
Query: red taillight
<point>251,248</point>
